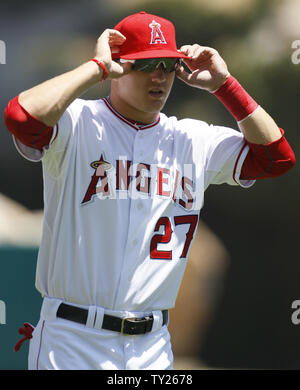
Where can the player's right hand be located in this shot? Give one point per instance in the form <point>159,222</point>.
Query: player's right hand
<point>110,42</point>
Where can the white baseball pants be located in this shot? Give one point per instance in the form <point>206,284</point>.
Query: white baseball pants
<point>59,344</point>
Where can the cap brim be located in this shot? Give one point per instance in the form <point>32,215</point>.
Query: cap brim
<point>151,54</point>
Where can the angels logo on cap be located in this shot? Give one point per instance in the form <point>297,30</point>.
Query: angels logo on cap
<point>147,36</point>
<point>156,34</point>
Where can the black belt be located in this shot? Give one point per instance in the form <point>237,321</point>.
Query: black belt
<point>130,326</point>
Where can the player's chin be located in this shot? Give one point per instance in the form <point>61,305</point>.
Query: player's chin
<point>158,101</point>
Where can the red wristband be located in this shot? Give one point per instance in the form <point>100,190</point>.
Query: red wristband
<point>237,101</point>
<point>103,67</point>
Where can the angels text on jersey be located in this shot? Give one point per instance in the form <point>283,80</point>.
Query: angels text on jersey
<point>125,179</point>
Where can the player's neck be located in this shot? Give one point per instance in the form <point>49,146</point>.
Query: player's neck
<point>131,113</point>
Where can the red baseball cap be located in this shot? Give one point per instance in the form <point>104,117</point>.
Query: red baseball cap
<point>147,36</point>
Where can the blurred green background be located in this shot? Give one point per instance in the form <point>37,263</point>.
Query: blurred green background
<point>252,325</point>
<point>22,302</point>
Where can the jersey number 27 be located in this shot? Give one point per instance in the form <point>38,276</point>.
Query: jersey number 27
<point>190,220</point>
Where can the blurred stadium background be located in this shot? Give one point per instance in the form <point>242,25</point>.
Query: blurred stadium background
<point>234,308</point>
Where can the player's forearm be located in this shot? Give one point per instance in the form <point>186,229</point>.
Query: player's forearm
<point>260,128</point>
<point>48,101</point>
<point>269,154</point>
<point>254,122</point>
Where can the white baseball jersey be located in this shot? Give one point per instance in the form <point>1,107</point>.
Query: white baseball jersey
<point>122,203</point>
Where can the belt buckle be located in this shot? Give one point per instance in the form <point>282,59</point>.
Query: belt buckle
<point>123,323</point>
<point>132,319</point>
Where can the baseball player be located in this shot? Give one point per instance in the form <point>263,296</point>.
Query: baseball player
<point>123,189</point>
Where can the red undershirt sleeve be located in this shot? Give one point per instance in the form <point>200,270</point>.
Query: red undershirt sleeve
<point>26,128</point>
<point>269,160</point>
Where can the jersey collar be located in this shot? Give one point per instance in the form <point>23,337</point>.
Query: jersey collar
<point>136,126</point>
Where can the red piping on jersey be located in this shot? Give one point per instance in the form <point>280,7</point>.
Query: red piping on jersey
<point>236,163</point>
<point>40,346</point>
<point>127,121</point>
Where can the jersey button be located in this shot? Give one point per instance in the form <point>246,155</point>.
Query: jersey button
<point>140,205</point>
<point>134,242</point>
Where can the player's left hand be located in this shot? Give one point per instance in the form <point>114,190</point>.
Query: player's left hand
<point>208,69</point>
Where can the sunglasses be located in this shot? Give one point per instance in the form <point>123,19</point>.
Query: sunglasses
<point>150,64</point>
